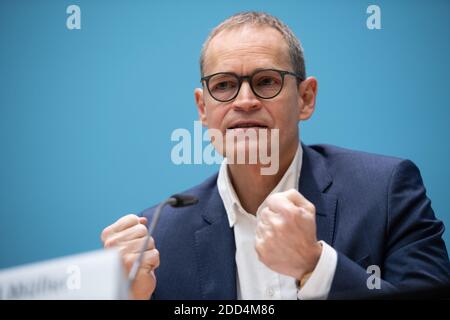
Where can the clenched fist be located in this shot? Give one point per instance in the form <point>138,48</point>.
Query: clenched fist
<point>128,235</point>
<point>286,240</point>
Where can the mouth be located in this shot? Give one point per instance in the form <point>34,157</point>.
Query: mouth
<point>247,125</point>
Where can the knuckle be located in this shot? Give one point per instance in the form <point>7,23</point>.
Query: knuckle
<point>292,191</point>
<point>285,208</point>
<point>141,230</point>
<point>151,258</point>
<point>293,214</point>
<point>151,243</point>
<point>131,218</point>
<point>270,236</point>
<point>111,242</point>
<point>308,208</point>
<point>273,199</point>
<point>104,234</point>
<point>156,255</point>
<point>263,215</point>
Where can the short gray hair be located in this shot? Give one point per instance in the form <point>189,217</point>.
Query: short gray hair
<point>261,19</point>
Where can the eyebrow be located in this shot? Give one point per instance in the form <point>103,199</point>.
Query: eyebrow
<point>251,72</point>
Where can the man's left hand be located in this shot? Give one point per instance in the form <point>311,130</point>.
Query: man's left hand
<point>286,240</point>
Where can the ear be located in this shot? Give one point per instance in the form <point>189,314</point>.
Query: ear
<point>200,101</point>
<point>307,97</point>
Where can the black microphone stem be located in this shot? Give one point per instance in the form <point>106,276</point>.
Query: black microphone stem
<point>137,262</point>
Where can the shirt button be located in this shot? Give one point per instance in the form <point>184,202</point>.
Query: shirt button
<point>270,292</point>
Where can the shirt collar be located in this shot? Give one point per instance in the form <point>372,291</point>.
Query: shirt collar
<point>230,199</point>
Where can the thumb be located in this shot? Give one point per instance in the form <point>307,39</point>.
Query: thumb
<point>143,220</point>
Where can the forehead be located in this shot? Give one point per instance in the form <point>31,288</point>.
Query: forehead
<point>245,49</point>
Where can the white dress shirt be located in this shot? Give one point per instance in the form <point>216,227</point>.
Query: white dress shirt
<point>254,279</point>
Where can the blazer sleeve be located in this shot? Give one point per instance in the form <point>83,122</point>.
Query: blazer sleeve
<point>415,256</point>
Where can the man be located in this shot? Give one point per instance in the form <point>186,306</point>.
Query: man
<point>309,231</point>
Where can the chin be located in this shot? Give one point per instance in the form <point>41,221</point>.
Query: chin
<point>246,151</point>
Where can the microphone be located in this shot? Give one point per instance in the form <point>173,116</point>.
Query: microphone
<point>176,201</point>
<point>183,200</point>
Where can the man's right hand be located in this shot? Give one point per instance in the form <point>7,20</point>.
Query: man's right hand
<point>128,235</point>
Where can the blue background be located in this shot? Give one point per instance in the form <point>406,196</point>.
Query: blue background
<point>86,115</point>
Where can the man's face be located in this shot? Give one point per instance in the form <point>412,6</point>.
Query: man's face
<point>242,51</point>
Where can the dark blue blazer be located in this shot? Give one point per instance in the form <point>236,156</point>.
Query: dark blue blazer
<point>373,210</point>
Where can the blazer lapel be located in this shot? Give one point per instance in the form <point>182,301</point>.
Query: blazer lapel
<point>313,185</point>
<point>215,251</point>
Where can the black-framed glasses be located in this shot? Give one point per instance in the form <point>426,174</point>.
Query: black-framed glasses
<point>265,83</point>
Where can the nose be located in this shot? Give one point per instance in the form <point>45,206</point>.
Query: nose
<point>246,99</point>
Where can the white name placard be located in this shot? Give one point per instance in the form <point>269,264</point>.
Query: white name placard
<point>93,275</point>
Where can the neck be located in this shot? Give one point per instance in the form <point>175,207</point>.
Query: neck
<point>251,187</point>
